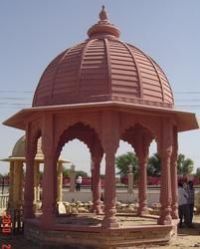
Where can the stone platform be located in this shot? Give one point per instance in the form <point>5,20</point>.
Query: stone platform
<point>85,231</point>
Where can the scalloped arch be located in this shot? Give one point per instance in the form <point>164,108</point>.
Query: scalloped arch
<point>143,123</point>
<point>133,129</point>
<point>79,130</point>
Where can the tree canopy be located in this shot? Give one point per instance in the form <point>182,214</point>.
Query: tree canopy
<point>185,165</point>
<point>124,161</point>
<point>154,165</point>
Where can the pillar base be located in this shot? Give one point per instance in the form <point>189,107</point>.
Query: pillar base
<point>175,213</point>
<point>143,211</point>
<point>96,208</point>
<point>109,222</point>
<point>165,220</point>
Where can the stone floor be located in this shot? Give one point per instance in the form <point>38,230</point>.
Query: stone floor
<point>187,238</point>
<point>95,220</point>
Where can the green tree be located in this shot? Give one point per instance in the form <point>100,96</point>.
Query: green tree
<point>124,161</point>
<point>198,172</point>
<point>154,165</point>
<point>185,166</point>
<point>81,173</point>
<point>66,172</point>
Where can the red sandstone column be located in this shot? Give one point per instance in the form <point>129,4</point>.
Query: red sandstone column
<point>48,200</point>
<point>50,175</point>
<point>96,185</point>
<point>110,141</point>
<point>174,176</point>
<point>141,143</point>
<point>18,173</point>
<point>29,182</point>
<point>60,182</point>
<point>165,153</point>
<point>143,159</point>
<point>110,192</point>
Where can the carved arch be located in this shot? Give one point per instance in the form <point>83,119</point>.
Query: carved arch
<point>131,133</point>
<point>150,124</point>
<point>82,132</point>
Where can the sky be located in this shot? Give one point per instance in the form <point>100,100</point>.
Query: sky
<point>32,33</point>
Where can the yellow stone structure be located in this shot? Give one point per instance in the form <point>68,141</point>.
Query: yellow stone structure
<point>16,175</point>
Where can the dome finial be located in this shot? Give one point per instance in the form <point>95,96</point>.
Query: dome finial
<point>103,14</point>
<point>103,27</point>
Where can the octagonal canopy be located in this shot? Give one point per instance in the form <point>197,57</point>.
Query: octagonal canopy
<point>103,68</point>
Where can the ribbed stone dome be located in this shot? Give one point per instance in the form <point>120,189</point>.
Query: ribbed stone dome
<point>103,68</point>
<point>19,148</point>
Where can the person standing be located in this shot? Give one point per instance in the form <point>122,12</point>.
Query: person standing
<point>191,196</point>
<point>183,210</point>
<point>78,183</point>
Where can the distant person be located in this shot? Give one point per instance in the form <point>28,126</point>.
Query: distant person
<point>183,209</point>
<point>191,195</point>
<point>79,180</point>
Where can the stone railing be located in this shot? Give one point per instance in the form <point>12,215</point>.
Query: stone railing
<point>4,201</point>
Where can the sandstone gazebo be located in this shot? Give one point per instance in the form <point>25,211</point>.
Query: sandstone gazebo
<point>100,91</point>
<point>17,161</point>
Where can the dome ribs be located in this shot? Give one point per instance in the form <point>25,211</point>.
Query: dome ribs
<point>137,69</point>
<point>81,65</point>
<point>103,68</point>
<point>107,48</point>
<point>66,80</point>
<point>124,73</point>
<point>159,78</point>
<point>37,100</point>
<point>55,74</point>
<point>165,79</point>
<point>94,76</point>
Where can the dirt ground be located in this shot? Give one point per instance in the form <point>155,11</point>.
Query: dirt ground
<point>187,238</point>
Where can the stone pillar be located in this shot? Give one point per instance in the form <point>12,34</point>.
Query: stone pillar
<point>72,175</point>
<point>21,176</point>
<point>165,143</point>
<point>49,192</point>
<point>142,151</point>
<point>36,183</point>
<point>48,201</point>
<point>11,185</point>
<point>110,192</point>
<point>29,185</point>
<point>96,185</point>
<point>130,179</point>
<point>59,182</point>
<point>174,178</point>
<point>16,184</point>
<point>110,142</point>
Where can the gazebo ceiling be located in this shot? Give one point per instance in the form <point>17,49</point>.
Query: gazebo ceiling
<point>103,68</point>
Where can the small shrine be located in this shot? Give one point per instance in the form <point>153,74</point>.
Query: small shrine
<point>17,162</point>
<point>101,91</point>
